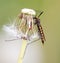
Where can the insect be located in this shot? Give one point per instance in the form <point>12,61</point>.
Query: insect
<point>40,29</point>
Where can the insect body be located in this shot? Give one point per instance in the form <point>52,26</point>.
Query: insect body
<point>40,29</point>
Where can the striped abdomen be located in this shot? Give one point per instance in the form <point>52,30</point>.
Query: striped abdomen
<point>40,30</point>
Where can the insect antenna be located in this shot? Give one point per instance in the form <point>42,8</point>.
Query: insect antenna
<point>40,14</point>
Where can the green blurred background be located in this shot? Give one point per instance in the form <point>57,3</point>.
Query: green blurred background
<point>50,21</point>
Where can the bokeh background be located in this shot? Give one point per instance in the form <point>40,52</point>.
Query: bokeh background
<point>50,20</point>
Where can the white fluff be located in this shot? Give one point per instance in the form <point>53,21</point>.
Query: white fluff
<point>10,30</point>
<point>28,11</point>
